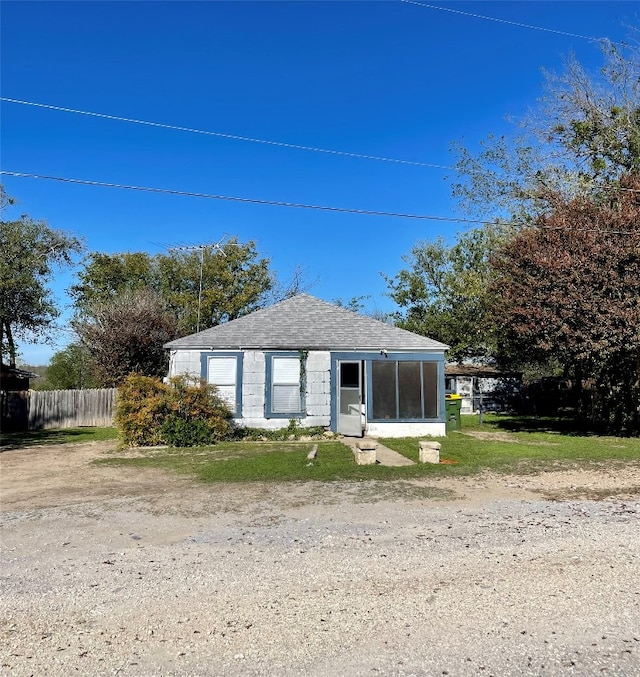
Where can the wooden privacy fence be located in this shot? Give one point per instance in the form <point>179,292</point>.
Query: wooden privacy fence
<point>37,409</point>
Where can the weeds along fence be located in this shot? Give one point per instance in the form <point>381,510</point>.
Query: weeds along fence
<point>38,409</point>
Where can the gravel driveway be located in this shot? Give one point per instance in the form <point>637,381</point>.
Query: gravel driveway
<point>113,571</point>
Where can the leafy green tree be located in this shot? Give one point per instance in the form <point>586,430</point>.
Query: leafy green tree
<point>443,291</point>
<point>105,276</point>
<point>235,281</point>
<point>126,335</point>
<point>201,288</point>
<point>568,289</point>
<point>30,253</point>
<point>71,368</point>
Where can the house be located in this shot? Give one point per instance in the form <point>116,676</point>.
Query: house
<point>308,360</point>
<point>482,387</point>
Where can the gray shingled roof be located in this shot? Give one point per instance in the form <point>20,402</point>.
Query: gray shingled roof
<point>304,322</point>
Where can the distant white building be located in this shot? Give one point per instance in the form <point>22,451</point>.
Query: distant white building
<point>481,387</point>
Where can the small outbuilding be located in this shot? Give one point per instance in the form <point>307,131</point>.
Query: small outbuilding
<point>13,379</point>
<point>321,365</point>
<point>482,387</point>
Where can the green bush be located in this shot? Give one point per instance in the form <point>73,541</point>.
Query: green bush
<point>141,408</point>
<point>197,405</point>
<point>177,432</point>
<point>185,412</point>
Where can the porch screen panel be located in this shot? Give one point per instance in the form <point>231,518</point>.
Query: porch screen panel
<point>409,390</point>
<point>221,373</point>
<point>383,385</point>
<point>430,387</point>
<point>285,385</point>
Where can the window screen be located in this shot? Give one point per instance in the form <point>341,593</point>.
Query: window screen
<point>384,389</point>
<point>409,390</point>
<point>222,372</point>
<point>404,389</point>
<point>430,387</point>
<point>285,385</point>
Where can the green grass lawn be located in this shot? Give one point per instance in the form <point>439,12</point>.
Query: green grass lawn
<point>58,436</point>
<point>501,444</point>
<point>493,446</point>
<point>262,462</point>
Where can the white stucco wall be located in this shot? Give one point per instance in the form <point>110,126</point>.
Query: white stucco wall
<point>184,362</point>
<point>464,387</point>
<point>317,393</point>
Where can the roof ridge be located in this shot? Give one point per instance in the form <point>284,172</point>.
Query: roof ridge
<point>306,322</point>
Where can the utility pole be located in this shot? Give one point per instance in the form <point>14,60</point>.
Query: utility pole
<point>216,246</point>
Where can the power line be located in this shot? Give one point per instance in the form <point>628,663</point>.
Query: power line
<point>297,205</point>
<point>275,203</point>
<point>503,21</point>
<point>234,137</point>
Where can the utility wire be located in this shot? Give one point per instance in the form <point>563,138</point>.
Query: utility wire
<point>277,203</point>
<point>503,21</point>
<point>234,137</point>
<point>210,196</point>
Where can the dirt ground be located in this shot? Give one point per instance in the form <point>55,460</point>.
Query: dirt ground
<point>109,570</point>
<point>59,475</point>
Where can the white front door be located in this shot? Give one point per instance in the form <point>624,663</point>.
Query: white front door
<point>350,415</point>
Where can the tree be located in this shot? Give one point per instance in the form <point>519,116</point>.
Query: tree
<point>201,288</point>
<point>235,282</point>
<point>30,252</point>
<point>568,288</point>
<point>71,368</point>
<point>583,135</point>
<point>442,292</point>
<point>103,277</point>
<point>126,335</point>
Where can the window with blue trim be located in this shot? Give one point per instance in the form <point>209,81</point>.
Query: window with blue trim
<point>404,390</point>
<point>224,371</point>
<point>284,384</point>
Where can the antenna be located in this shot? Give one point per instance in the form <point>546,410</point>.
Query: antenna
<point>215,246</point>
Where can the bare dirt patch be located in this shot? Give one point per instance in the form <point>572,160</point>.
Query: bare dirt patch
<point>502,436</point>
<point>58,475</point>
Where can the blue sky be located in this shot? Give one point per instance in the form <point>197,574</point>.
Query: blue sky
<point>387,79</point>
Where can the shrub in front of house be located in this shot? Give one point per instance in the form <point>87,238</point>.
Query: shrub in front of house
<point>183,413</point>
<point>197,415</point>
<point>141,407</point>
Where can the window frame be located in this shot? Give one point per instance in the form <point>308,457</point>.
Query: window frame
<point>396,359</point>
<point>204,373</point>
<point>269,383</point>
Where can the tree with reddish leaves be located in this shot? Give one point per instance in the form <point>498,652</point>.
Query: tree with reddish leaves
<point>568,288</point>
<point>125,335</point>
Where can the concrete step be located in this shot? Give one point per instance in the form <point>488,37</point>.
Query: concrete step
<point>384,455</point>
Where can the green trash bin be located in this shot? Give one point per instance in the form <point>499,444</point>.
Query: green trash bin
<point>453,405</point>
